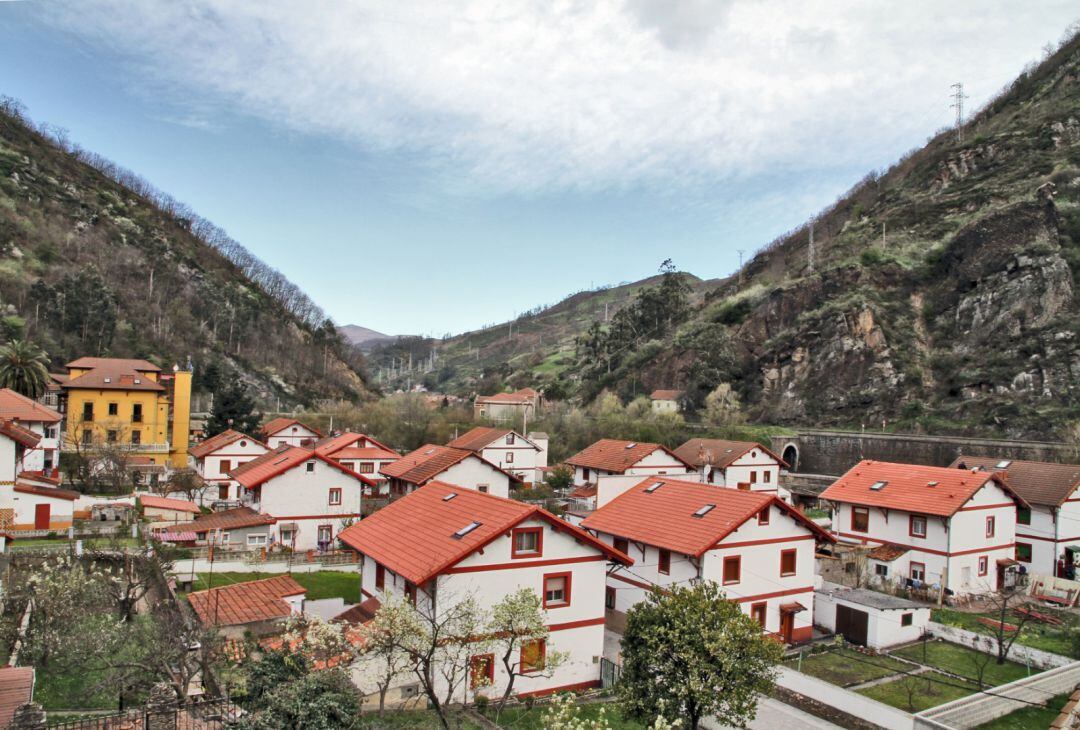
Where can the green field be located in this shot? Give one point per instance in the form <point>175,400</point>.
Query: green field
<point>965,662</point>
<point>919,692</point>
<point>526,718</point>
<point>845,667</point>
<point>1054,639</point>
<point>319,585</point>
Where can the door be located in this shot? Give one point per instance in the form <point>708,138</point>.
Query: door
<point>223,492</point>
<point>41,517</point>
<point>787,624</point>
<point>852,624</point>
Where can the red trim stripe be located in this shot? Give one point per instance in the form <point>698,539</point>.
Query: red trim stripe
<point>929,551</point>
<point>633,582</point>
<point>317,517</point>
<point>769,541</point>
<point>774,594</point>
<point>576,624</point>
<point>987,506</point>
<point>523,564</point>
<point>579,687</point>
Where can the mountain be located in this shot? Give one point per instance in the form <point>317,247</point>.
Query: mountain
<point>96,261</point>
<point>939,295</point>
<point>363,337</point>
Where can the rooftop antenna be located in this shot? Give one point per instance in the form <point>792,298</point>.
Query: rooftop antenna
<point>958,96</point>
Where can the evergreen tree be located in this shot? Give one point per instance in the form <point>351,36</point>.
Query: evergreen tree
<point>24,367</point>
<point>233,408</point>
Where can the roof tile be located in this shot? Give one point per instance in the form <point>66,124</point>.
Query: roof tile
<point>1039,482</point>
<point>616,456</point>
<point>244,603</point>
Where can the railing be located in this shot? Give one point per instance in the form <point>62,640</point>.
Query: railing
<point>209,714</point>
<point>70,444</point>
<point>223,553</point>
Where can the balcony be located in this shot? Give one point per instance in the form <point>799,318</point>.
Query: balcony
<point>70,444</point>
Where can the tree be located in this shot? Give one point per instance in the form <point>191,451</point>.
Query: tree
<point>515,621</point>
<point>1001,603</point>
<point>24,367</point>
<point>185,482</point>
<point>690,654</point>
<point>323,700</point>
<point>381,641</point>
<point>233,408</point>
<point>722,406</point>
<point>560,477</point>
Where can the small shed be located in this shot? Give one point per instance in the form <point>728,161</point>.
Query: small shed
<point>869,618</point>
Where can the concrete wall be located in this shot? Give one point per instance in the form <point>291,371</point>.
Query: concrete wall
<point>851,703</point>
<point>1017,652</point>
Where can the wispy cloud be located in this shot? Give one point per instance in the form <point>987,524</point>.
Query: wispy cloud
<point>554,95</point>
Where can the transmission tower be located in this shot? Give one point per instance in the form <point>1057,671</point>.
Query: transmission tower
<point>741,252</point>
<point>958,96</point>
<point>811,251</point>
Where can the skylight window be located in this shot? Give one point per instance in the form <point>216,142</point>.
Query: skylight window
<point>281,460</point>
<point>704,510</point>
<point>1003,464</point>
<point>631,445</point>
<point>450,496</point>
<point>878,486</point>
<point>931,484</point>
<point>466,530</point>
<point>429,452</point>
<point>653,487</point>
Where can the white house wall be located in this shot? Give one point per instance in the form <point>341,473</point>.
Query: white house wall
<point>211,468</point>
<point>472,472</point>
<point>294,435</point>
<point>303,497</point>
<point>884,626</point>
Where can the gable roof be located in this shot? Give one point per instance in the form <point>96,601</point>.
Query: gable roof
<point>665,517</point>
<point>22,436</point>
<point>244,603</point>
<point>274,463</point>
<point>931,490</point>
<point>229,519</point>
<point>107,373</point>
<point>429,461</point>
<point>16,406</point>
<point>518,397</point>
<point>179,505</point>
<point>331,445</point>
<point>617,456</point>
<point>719,452</point>
<point>1039,482</point>
<point>277,425</point>
<point>42,491</point>
<point>414,536</point>
<point>212,444</point>
<point>142,366</point>
<point>666,395</point>
<point>365,452</point>
<point>479,438</point>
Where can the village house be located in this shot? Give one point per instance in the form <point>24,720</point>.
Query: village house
<point>311,496</point>
<point>758,549</point>
<point>447,464</point>
<point>130,404</point>
<point>1047,532</point>
<point>239,528</point>
<point>259,606</point>
<point>215,457</point>
<point>933,526</point>
<point>29,501</point>
<point>361,453</point>
<point>735,464</point>
<point>165,511</point>
<point>521,405</point>
<point>665,401</point>
<point>288,431</point>
<point>506,449</point>
<point>42,420</point>
<point>609,457</point>
<point>869,618</point>
<point>445,543</point>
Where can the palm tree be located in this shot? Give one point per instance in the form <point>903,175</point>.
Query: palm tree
<point>24,367</point>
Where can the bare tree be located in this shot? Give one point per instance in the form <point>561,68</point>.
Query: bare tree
<point>1002,603</point>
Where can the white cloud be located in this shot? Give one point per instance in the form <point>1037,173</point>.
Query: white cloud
<point>559,94</point>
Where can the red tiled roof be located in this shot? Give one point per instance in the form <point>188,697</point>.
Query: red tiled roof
<point>106,373</point>
<point>1039,482</point>
<point>518,397</point>
<point>932,490</point>
<point>277,425</point>
<point>144,366</point>
<point>414,536</point>
<point>39,476</point>
<point>666,395</point>
<point>584,492</point>
<point>360,613</point>
<point>16,406</point>
<point>212,444</point>
<point>16,689</point>
<point>18,434</point>
<point>245,603</point>
<point>665,517</point>
<point>718,452</point>
<point>53,492</point>
<point>179,505</point>
<point>365,452</point>
<point>259,470</point>
<point>616,456</point>
<point>229,519</point>
<point>425,463</point>
<point>887,553</point>
<point>479,438</point>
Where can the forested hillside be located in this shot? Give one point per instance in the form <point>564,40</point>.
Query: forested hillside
<point>96,261</point>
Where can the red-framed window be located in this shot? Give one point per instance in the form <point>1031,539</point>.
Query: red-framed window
<point>766,476</point>
<point>991,525</point>
<point>226,466</point>
<point>860,519</point>
<point>758,612</point>
<point>533,656</point>
<point>609,597</point>
<point>732,569</point>
<point>335,496</point>
<point>917,526</point>
<point>763,516</point>
<point>664,564</point>
<point>380,577</point>
<point>984,565</point>
<point>509,457</point>
<point>557,590</point>
<point>622,545</point>
<point>481,671</point>
<point>527,542</point>
<point>788,562</point>
<point>917,571</point>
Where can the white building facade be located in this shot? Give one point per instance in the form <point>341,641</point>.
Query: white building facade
<point>609,457</point>
<point>215,457</point>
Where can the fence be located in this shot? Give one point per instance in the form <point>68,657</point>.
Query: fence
<point>211,714</point>
<point>610,672</point>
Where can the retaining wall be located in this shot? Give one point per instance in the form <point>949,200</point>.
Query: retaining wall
<point>846,701</point>
<point>1017,652</point>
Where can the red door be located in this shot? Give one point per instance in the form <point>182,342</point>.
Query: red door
<point>787,625</point>
<point>41,517</point>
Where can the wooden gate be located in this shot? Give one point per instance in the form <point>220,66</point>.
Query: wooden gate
<point>852,624</point>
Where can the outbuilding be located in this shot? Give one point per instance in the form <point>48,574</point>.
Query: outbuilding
<point>869,618</point>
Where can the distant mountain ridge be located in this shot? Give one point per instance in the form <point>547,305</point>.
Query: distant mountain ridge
<point>363,337</point>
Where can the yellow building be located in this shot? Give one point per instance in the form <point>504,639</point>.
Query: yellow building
<point>128,403</point>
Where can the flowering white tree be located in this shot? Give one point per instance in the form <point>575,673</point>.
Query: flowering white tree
<point>517,620</point>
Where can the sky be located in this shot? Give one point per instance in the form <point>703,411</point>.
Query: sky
<point>432,167</point>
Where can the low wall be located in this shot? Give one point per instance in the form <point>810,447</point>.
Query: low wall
<point>1017,652</point>
<point>846,701</point>
<point>184,568</point>
<point>975,710</point>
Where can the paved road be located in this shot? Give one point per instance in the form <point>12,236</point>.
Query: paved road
<point>773,714</point>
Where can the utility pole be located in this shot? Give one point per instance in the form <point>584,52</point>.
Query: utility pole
<point>958,96</point>
<point>741,252</point>
<point>811,251</point>
<point>883,236</point>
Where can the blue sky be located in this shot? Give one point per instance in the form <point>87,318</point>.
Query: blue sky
<point>430,168</point>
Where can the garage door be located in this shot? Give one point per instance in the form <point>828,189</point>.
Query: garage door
<point>852,623</point>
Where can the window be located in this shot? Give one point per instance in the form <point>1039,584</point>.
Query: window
<point>225,538</point>
<point>664,566</point>
<point>482,488</point>
<point>110,436</point>
<point>380,576</point>
<point>366,467</point>
<point>509,457</point>
<point>136,437</point>
<point>788,562</point>
<point>918,571</point>
<point>223,492</point>
<point>310,466</point>
<point>557,590</point>
<point>905,619</point>
<point>1023,516</point>
<point>753,477</point>
<point>326,533</point>
<point>609,597</point>
<point>766,476</point>
<point>763,517</point>
<point>1023,552</point>
<point>87,436</point>
<point>990,524</point>
<point>226,466</point>
<point>621,545</point>
<point>984,563</point>
<point>509,439</point>
<point>410,592</point>
<point>732,569</point>
<point>256,540</point>
<point>533,654</point>
<point>287,537</point>
<point>335,497</point>
<point>114,409</point>
<point>88,411</point>
<point>584,475</point>
<point>882,570</point>
<point>917,525</point>
<point>528,542</point>
<point>136,413</point>
<point>481,671</point>
<point>860,519</point>
<point>757,612</point>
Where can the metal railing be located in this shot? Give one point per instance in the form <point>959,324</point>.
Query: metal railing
<point>209,714</point>
<point>70,444</point>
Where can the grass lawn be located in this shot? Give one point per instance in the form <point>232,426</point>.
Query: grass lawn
<point>1054,639</point>
<point>322,584</point>
<point>57,690</point>
<point>1029,717</point>
<point>927,690</point>
<point>962,660</point>
<point>419,719</point>
<point>845,667</point>
<point>523,718</point>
